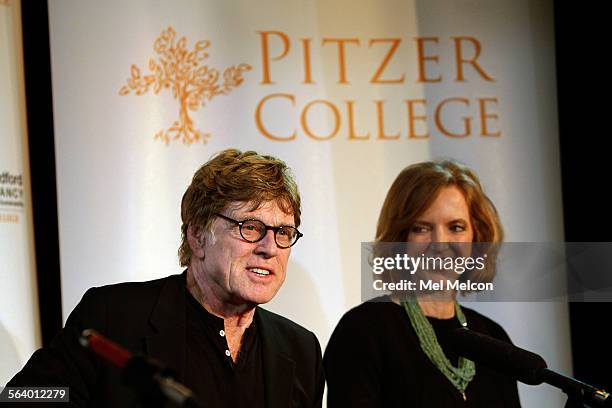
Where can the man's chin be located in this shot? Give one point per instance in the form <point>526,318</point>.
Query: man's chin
<point>260,298</point>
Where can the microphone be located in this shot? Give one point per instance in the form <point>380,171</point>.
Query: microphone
<point>142,374</point>
<point>498,355</point>
<point>522,365</point>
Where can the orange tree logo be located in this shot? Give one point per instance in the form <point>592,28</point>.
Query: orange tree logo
<point>192,82</point>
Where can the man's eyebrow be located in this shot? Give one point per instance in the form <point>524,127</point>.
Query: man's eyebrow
<point>252,217</point>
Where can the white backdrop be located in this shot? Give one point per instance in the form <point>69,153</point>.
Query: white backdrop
<point>347,93</point>
<point>19,324</point>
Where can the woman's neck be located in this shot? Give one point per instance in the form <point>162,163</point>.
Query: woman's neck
<point>437,309</point>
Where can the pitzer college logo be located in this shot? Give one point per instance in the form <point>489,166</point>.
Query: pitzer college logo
<point>193,83</point>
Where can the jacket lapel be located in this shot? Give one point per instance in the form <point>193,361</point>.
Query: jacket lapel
<point>279,369</point>
<point>168,319</point>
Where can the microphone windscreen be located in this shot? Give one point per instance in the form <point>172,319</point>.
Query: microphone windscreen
<point>104,348</point>
<point>497,355</point>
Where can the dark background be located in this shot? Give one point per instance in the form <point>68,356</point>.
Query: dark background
<point>585,166</point>
<point>580,31</point>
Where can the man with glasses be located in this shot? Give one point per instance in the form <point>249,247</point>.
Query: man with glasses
<point>240,218</point>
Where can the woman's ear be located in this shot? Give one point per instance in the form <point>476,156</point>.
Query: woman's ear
<point>195,238</point>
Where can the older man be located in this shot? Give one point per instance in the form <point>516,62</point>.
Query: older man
<point>240,218</point>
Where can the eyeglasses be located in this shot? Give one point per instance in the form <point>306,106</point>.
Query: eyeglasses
<point>253,230</point>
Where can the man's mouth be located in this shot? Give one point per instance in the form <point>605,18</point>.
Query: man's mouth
<point>259,271</point>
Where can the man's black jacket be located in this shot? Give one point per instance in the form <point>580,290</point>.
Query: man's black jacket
<point>149,318</point>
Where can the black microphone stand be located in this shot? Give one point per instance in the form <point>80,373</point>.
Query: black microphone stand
<point>153,384</point>
<point>579,394</point>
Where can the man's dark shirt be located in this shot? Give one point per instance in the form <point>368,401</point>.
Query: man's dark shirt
<point>215,378</point>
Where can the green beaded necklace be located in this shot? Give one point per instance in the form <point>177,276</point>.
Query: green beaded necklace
<point>460,376</point>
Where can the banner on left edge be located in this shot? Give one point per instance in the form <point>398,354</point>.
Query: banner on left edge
<point>19,317</point>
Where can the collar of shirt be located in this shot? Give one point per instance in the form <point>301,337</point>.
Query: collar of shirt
<point>213,328</point>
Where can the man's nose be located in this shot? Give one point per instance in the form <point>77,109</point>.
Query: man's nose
<point>267,246</point>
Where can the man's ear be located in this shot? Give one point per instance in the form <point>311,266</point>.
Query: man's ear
<point>195,238</point>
